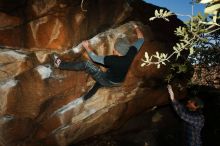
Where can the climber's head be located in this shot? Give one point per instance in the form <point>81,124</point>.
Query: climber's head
<point>194,104</point>
<point>195,101</point>
<point>121,46</point>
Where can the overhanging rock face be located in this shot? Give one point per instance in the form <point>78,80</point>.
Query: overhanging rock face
<point>41,105</point>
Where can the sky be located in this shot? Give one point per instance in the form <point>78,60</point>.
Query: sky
<point>179,6</point>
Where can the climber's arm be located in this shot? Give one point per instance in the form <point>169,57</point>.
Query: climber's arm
<point>138,32</point>
<point>92,55</point>
<point>140,37</point>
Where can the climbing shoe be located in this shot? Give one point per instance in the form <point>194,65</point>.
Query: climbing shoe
<point>56,60</point>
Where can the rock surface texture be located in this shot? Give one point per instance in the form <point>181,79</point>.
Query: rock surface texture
<point>41,105</point>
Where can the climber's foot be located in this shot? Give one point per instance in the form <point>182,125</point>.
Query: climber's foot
<point>56,60</point>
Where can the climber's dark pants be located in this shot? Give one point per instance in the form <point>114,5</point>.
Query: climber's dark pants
<point>91,69</point>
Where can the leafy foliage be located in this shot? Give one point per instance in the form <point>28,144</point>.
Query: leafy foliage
<point>194,35</point>
<point>161,14</point>
<point>200,37</point>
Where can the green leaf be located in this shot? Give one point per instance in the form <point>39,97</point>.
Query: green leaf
<point>178,46</point>
<point>143,64</point>
<point>156,13</point>
<point>146,56</point>
<point>169,13</point>
<point>178,55</point>
<point>161,11</point>
<point>152,18</point>
<point>158,66</point>
<point>169,77</point>
<point>191,50</point>
<point>182,69</point>
<point>166,19</point>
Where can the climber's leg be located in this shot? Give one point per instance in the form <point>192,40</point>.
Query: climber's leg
<point>75,65</point>
<point>101,81</point>
<point>87,66</point>
<point>92,91</point>
<point>96,73</point>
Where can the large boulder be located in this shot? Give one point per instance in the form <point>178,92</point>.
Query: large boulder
<point>41,105</point>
